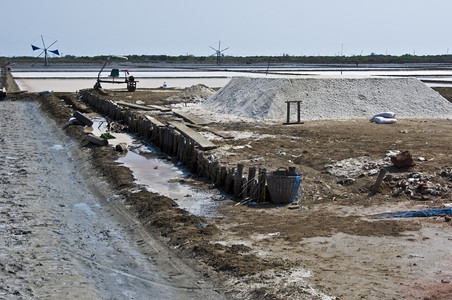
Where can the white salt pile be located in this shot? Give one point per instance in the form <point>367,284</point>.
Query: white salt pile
<point>195,93</point>
<point>328,98</point>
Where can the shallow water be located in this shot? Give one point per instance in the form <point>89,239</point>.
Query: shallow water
<point>161,176</point>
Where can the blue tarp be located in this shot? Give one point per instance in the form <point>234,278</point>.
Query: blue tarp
<point>420,213</point>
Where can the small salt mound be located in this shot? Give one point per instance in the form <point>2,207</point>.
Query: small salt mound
<point>328,98</point>
<point>195,93</point>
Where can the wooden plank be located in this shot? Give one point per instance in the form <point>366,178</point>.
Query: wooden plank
<point>224,135</point>
<point>155,121</point>
<point>96,140</point>
<point>144,107</point>
<point>161,108</point>
<point>203,143</point>
<point>131,105</point>
<point>82,118</point>
<point>190,118</point>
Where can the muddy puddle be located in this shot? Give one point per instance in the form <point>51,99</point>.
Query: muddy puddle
<point>154,170</point>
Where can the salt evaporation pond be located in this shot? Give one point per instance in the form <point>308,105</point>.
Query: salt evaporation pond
<point>75,78</point>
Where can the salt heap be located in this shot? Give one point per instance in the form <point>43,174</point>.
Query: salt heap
<point>195,93</point>
<point>328,98</point>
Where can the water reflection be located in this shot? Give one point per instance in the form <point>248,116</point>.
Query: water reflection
<point>153,170</point>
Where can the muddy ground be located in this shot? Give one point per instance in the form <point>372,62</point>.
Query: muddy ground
<point>331,244</point>
<point>64,235</point>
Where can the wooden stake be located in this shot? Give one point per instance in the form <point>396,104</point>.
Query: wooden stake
<point>377,183</point>
<point>238,180</point>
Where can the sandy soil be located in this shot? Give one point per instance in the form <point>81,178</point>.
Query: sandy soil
<point>331,245</point>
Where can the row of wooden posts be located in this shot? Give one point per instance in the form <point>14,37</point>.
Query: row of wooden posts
<point>175,144</point>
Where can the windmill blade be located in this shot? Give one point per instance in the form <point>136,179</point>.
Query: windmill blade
<point>224,49</point>
<point>38,57</point>
<point>52,44</point>
<point>55,52</point>
<point>42,39</point>
<point>213,48</point>
<point>34,47</point>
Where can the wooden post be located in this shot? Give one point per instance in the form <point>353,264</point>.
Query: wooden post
<point>200,163</point>
<point>221,177</point>
<point>377,183</point>
<point>262,179</point>
<point>251,184</point>
<point>238,180</point>
<point>154,135</point>
<point>194,158</point>
<point>161,137</point>
<point>244,193</point>
<point>288,112</point>
<point>175,143</point>
<point>229,179</point>
<point>168,141</point>
<point>214,171</point>
<point>299,111</point>
<point>187,151</point>
<point>181,149</point>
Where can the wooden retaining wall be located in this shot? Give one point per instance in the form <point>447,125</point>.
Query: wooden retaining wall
<point>170,141</point>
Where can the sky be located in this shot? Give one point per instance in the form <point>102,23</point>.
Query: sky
<point>247,27</point>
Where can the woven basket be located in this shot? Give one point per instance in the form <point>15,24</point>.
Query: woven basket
<point>283,185</point>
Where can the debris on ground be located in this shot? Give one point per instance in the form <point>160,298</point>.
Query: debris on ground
<point>403,160</point>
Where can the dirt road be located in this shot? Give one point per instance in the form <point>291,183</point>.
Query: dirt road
<point>63,234</point>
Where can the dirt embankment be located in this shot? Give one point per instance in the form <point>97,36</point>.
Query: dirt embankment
<point>7,81</point>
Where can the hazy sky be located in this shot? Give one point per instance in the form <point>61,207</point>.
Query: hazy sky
<point>248,27</point>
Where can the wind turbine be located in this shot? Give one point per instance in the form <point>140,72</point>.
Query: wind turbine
<point>218,52</point>
<point>45,51</point>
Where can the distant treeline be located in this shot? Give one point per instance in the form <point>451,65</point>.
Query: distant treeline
<point>252,60</point>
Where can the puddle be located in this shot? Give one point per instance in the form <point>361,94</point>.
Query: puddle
<point>85,208</point>
<point>161,176</point>
<point>100,126</point>
<point>57,147</point>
